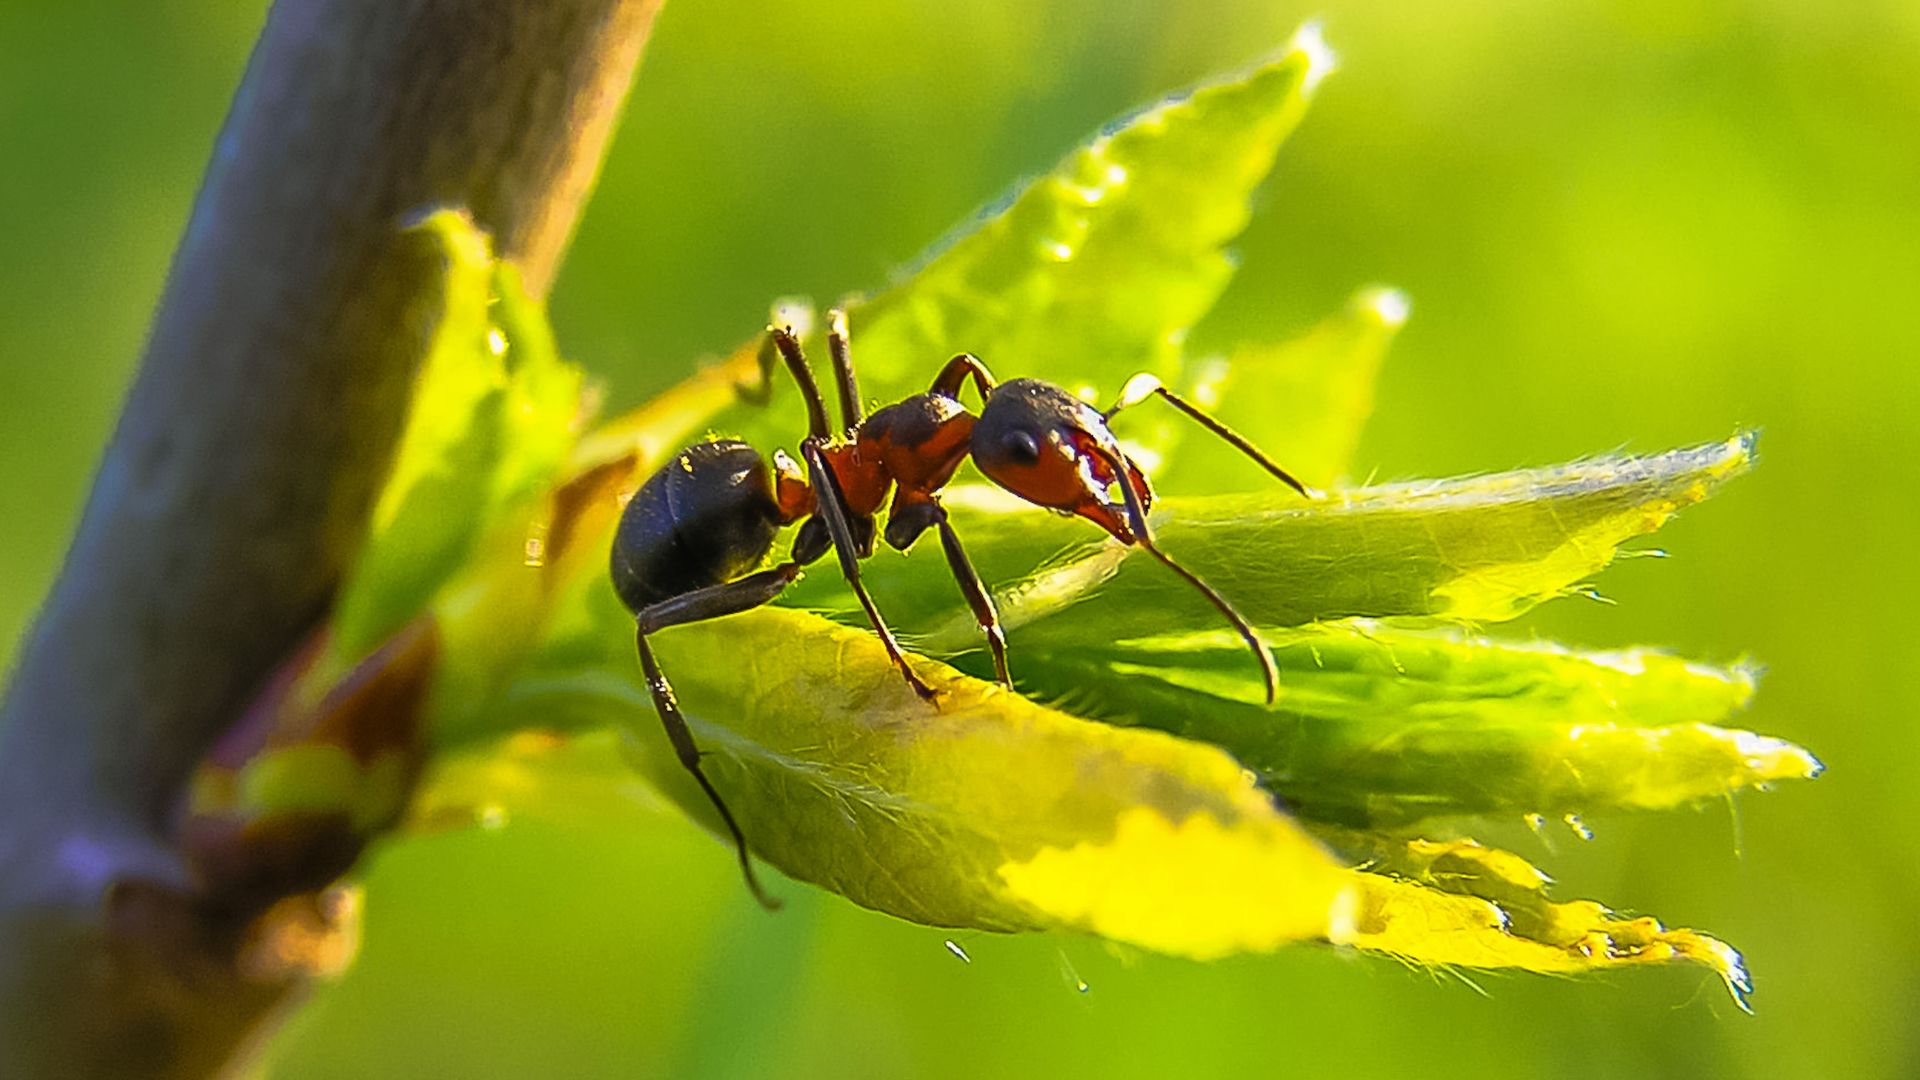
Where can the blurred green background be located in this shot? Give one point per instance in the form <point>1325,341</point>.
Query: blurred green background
<point>1638,223</point>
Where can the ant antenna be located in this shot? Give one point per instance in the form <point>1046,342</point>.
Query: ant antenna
<point>1137,519</point>
<point>1144,385</point>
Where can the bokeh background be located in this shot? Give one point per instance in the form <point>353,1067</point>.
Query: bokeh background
<point>1636,223</point>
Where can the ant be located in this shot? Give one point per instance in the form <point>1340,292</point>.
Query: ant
<point>689,540</point>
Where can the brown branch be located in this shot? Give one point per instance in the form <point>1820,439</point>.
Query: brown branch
<point>250,449</point>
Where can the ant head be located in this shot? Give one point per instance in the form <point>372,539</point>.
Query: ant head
<point>1054,450</point>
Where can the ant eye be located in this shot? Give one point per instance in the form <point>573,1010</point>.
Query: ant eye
<point>1021,447</point>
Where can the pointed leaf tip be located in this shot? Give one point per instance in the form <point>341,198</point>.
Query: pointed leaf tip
<point>1099,268</point>
<point>1310,42</point>
<point>1459,903</point>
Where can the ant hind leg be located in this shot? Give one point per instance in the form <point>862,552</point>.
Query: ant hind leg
<point>713,602</point>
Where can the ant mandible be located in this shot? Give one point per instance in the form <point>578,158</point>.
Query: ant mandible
<point>690,538</point>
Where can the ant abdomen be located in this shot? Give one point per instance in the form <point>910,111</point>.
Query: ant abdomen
<point>705,518</point>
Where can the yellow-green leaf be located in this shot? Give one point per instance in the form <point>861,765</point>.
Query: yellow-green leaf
<point>494,416</point>
<point>1385,725</point>
<point>1302,401</point>
<point>1098,268</point>
<point>984,810</point>
<point>1457,903</point>
<point>1472,549</point>
<point>1476,549</point>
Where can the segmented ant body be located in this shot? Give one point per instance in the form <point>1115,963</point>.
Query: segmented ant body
<point>691,537</point>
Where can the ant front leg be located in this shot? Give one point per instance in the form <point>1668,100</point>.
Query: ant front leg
<point>956,373</point>
<point>904,526</point>
<point>712,602</point>
<point>831,507</point>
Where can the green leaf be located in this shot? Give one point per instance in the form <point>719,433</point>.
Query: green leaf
<point>1385,725</point>
<point>315,778</point>
<point>540,402</point>
<point>990,812</point>
<point>494,416</point>
<point>1458,904</point>
<point>1473,549</point>
<point>1301,401</point>
<point>424,522</point>
<point>582,779</point>
<point>1099,267</point>
<point>985,811</point>
<point>1479,549</point>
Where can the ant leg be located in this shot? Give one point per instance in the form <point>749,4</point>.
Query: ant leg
<point>977,597</point>
<point>850,410</point>
<point>789,348</point>
<point>1142,386</point>
<point>728,598</point>
<point>905,522</point>
<point>831,506</point>
<point>709,603</point>
<point>955,374</point>
<point>689,754</point>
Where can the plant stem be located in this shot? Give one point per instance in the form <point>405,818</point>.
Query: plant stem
<point>250,449</point>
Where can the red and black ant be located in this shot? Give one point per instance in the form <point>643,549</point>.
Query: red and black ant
<point>690,539</point>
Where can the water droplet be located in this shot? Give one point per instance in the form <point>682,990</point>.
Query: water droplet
<point>1312,41</point>
<point>497,341</point>
<point>954,948</point>
<point>1072,976</point>
<point>1390,306</point>
<point>1739,983</point>
<point>1578,827</point>
<point>1211,376</point>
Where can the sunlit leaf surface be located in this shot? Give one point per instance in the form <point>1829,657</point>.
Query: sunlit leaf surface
<point>1303,401</point>
<point>1385,725</point>
<point>1474,549</point>
<point>1460,904</point>
<point>962,813</point>
<point>494,417</point>
<point>1098,268</point>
